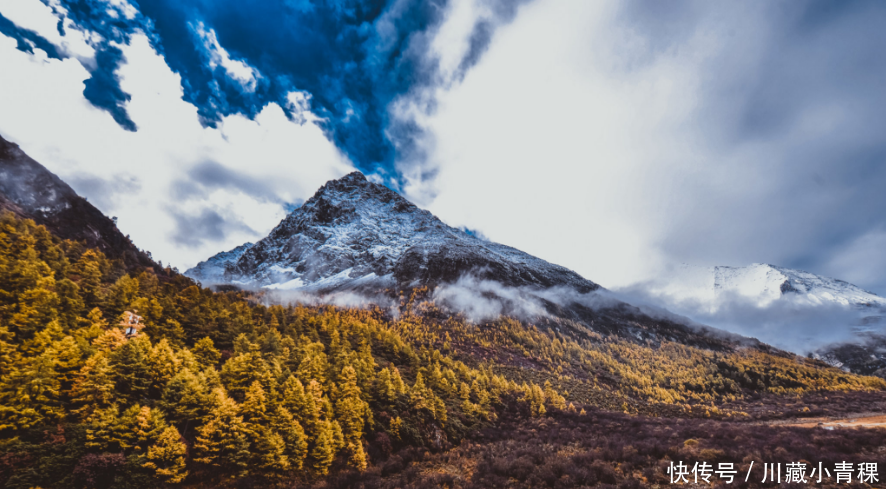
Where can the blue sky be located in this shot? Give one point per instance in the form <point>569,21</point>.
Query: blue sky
<point>615,138</point>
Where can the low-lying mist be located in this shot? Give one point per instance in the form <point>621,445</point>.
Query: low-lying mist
<point>344,298</point>
<point>789,324</point>
<point>480,299</point>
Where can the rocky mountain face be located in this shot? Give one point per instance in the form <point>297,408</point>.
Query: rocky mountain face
<point>31,191</point>
<point>357,236</point>
<point>212,271</point>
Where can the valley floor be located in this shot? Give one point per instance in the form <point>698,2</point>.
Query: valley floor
<point>615,450</point>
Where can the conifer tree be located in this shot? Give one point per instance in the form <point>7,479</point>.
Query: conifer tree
<point>43,340</point>
<point>536,398</point>
<point>554,399</point>
<point>253,410</point>
<point>94,328</point>
<point>103,430</point>
<point>397,381</point>
<point>303,409</point>
<point>242,345</point>
<point>314,365</point>
<point>395,426</point>
<point>121,295</point>
<point>162,365</point>
<point>223,442</point>
<point>205,353</point>
<point>93,386</point>
<point>37,303</point>
<point>9,355</point>
<point>324,449</point>
<point>272,341</point>
<point>186,360</point>
<point>186,398</point>
<point>438,407</point>
<point>338,437</point>
<point>31,396</point>
<point>293,435</point>
<point>240,372</point>
<point>133,431</point>
<point>350,408</point>
<point>166,457</point>
<point>384,389</point>
<point>268,451</point>
<point>365,367</point>
<point>49,252</point>
<point>314,393</point>
<point>357,458</point>
<point>110,340</point>
<point>70,305</point>
<point>464,392</point>
<point>130,363</point>
<point>88,269</point>
<point>68,361</point>
<point>146,423</point>
<point>418,393</point>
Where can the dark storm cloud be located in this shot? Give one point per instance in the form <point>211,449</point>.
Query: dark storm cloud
<point>353,57</point>
<point>103,87</point>
<point>209,225</point>
<point>28,40</point>
<point>796,96</point>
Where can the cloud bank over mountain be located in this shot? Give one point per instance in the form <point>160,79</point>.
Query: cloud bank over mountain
<point>620,138</point>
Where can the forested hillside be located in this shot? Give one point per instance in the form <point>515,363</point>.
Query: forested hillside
<point>221,389</point>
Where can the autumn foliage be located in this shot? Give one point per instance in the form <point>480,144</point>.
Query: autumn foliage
<point>220,388</point>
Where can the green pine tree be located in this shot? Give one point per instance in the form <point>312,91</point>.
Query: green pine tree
<point>131,365</point>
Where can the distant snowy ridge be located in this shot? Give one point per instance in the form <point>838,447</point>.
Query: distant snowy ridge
<point>791,309</point>
<point>760,284</point>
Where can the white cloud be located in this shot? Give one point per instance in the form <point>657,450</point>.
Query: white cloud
<point>39,17</point>
<point>589,139</point>
<point>237,70</point>
<point>541,149</point>
<point>42,108</point>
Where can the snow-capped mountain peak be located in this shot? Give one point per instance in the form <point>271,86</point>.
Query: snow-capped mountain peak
<point>353,232</point>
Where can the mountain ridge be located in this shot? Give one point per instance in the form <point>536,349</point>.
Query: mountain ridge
<point>29,190</point>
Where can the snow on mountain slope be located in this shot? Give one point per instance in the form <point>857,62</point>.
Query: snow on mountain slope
<point>353,233</point>
<point>357,242</point>
<point>212,270</point>
<point>790,309</point>
<point>761,284</point>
